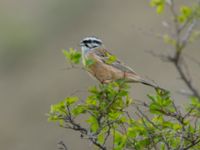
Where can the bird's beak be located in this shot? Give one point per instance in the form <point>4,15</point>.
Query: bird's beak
<point>81,44</point>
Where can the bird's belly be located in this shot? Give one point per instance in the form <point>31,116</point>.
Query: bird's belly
<point>105,73</point>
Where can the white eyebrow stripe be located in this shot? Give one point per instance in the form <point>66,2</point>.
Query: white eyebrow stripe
<point>92,39</point>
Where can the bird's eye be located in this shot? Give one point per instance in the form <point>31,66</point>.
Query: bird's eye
<point>86,42</point>
<point>89,41</point>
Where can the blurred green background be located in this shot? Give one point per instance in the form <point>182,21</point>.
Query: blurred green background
<point>33,72</point>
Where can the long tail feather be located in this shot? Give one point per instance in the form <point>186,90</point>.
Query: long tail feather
<point>152,85</point>
<point>133,78</point>
<point>148,83</point>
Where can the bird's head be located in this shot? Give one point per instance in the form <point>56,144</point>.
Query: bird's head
<point>90,43</point>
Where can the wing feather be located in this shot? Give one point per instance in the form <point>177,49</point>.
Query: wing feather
<point>104,56</point>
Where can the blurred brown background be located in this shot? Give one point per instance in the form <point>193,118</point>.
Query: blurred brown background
<point>32,67</point>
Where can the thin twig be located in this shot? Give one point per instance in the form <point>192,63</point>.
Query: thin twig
<point>62,146</point>
<point>181,44</point>
<point>188,33</point>
<point>82,130</point>
<point>151,138</point>
<point>192,144</point>
<point>187,82</point>
<point>107,135</point>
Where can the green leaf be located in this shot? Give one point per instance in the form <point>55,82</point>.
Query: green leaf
<point>80,109</point>
<point>114,115</point>
<point>181,19</point>
<point>156,2</point>
<point>162,146</point>
<point>129,101</point>
<point>169,40</point>
<point>66,54</point>
<point>93,90</point>
<point>72,55</point>
<point>123,93</point>
<point>123,119</point>
<point>167,124</point>
<point>160,9</point>
<point>194,106</point>
<point>166,102</point>
<point>158,119</point>
<point>89,62</point>
<point>59,107</point>
<point>159,4</point>
<point>93,123</point>
<point>132,133</point>
<point>119,141</point>
<point>71,100</point>
<point>177,126</point>
<point>195,101</point>
<point>57,112</point>
<point>154,108</point>
<point>90,101</point>
<point>185,13</point>
<point>111,58</point>
<point>151,97</point>
<point>100,138</point>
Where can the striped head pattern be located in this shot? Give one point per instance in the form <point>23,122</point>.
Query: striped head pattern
<point>89,43</point>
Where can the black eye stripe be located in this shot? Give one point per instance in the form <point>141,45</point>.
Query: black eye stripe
<point>87,41</point>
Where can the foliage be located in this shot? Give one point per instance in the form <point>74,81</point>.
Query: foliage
<point>159,4</point>
<point>107,116</point>
<point>72,55</point>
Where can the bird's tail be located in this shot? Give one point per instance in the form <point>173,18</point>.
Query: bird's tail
<point>134,78</point>
<point>138,79</point>
<point>154,85</point>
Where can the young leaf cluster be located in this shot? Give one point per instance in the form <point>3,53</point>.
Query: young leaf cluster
<point>107,119</point>
<point>104,109</point>
<point>72,55</point>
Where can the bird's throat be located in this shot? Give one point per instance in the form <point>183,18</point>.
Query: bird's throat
<point>84,50</point>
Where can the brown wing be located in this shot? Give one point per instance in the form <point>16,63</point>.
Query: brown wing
<point>104,56</point>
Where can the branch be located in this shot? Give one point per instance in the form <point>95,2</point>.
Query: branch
<point>107,135</point>
<point>186,80</point>
<point>181,43</point>
<point>151,137</point>
<point>192,144</point>
<point>75,126</point>
<point>188,33</point>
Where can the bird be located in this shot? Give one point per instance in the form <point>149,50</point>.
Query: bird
<point>106,67</point>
